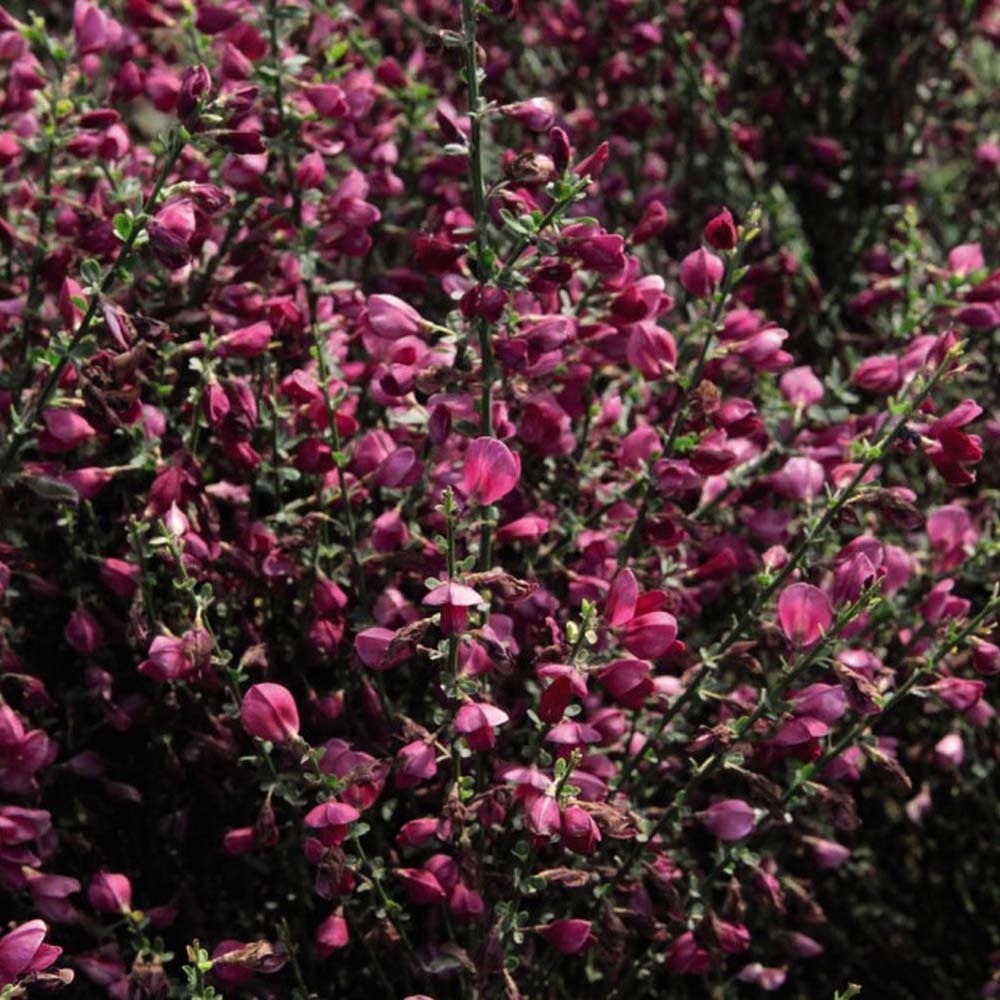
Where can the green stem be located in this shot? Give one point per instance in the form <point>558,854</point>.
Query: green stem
<point>942,649</point>
<point>33,297</point>
<point>635,532</point>
<point>20,433</point>
<point>338,456</point>
<point>279,103</point>
<point>743,625</point>
<point>743,727</point>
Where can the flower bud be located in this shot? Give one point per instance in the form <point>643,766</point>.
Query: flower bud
<point>728,819</point>
<point>110,893</point>
<point>701,271</point>
<point>720,232</point>
<point>195,84</point>
<point>567,936</point>
<point>269,713</point>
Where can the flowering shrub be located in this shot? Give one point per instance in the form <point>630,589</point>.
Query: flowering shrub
<point>498,499</point>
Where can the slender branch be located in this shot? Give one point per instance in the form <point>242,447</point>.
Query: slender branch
<point>728,280</point>
<point>279,103</point>
<point>745,622</point>
<point>941,650</point>
<point>746,724</point>
<point>20,433</point>
<point>338,456</point>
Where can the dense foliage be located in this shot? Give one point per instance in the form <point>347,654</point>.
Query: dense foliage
<point>499,499</point>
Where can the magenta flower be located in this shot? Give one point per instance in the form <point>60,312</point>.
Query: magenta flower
<point>392,318</point>
<point>246,342</point>
<point>828,854</point>
<point>568,936</point>
<point>269,713</point>
<point>372,646</point>
<point>619,605</point>
<point>332,934</point>
<point>686,955</point>
<point>415,763</point>
<point>701,272</point>
<point>454,600</point>
<point>580,833</point>
<point>64,431</point>
<point>536,114</point>
<point>720,231</point>
<point>800,386</point>
<point>491,471</point>
<point>422,886</point>
<point>477,722</point>
<point>959,693</point>
<point>949,751</point>
<point>985,658</point>
<point>650,635</point>
<point>627,681</point>
<point>543,818</point>
<point>881,374</point>
<point>333,820</point>
<point>23,950</point>
<point>805,613</point>
<point>110,893</point>
<point>728,819</point>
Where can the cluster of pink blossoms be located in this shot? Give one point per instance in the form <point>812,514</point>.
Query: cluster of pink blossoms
<point>445,551</point>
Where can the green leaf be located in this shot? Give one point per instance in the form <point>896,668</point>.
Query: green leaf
<point>51,489</point>
<point>123,226</point>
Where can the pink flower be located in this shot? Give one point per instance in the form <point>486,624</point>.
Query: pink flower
<point>985,658</point>
<point>310,172</point>
<point>332,934</point>
<point>701,272</point>
<point>477,722</point>
<point>328,99</point>
<point>416,762</point>
<point>544,819</point>
<point>332,819</point>
<point>958,693</point>
<point>247,342</point>
<point>964,259</point>
<point>491,471</point>
<point>949,751</point>
<point>652,223</point>
<point>952,449</point>
<point>627,681</point>
<point>800,386</point>
<point>392,318</point>
<point>686,955</point>
<point>23,951</point>
<point>84,632</point>
<point>454,600</point>
<point>269,713</point>
<point>728,819</point>
<point>651,349</point>
<point>195,84</point>
<point>422,886</point>
<point>372,646</point>
<point>828,853</point>
<point>619,605</point>
<point>801,479</point>
<point>64,430</point>
<point>805,613</point>
<point>580,833</point>
<point>536,114</point>
<point>650,635</point>
<point>881,373</point>
<point>720,232</point>
<point>110,893</point>
<point>568,936</point>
